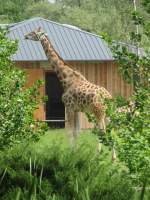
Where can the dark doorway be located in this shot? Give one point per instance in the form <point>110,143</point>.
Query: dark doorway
<point>55,109</point>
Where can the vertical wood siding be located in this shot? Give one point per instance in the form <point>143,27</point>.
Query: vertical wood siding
<point>34,73</point>
<point>104,74</point>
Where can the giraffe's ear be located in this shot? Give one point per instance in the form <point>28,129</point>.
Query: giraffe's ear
<point>39,29</point>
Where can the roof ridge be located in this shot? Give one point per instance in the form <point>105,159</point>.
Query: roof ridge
<point>57,23</point>
<point>79,44</point>
<point>15,25</point>
<point>79,30</point>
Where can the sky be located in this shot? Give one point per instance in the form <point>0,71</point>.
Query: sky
<point>51,1</point>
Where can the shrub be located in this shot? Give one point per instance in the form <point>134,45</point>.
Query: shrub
<point>57,171</point>
<point>129,130</point>
<point>17,104</point>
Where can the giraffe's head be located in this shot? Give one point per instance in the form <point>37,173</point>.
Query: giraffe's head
<point>35,35</point>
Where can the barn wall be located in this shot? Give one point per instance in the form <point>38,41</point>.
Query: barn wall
<point>104,74</point>
<point>34,73</point>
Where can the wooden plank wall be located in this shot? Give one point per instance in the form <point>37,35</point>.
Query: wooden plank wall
<point>34,72</point>
<point>104,74</point>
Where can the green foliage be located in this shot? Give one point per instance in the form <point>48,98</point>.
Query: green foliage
<point>14,10</point>
<point>45,10</point>
<point>94,16</point>
<point>17,104</point>
<point>133,68</point>
<point>129,131</point>
<point>146,4</point>
<point>129,126</point>
<point>51,169</point>
<point>112,17</point>
<point>134,61</point>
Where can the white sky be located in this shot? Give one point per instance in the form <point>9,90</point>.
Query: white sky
<point>51,1</point>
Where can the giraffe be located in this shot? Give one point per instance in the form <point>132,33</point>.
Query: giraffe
<point>79,94</point>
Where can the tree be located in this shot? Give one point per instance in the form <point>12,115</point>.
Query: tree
<point>17,104</point>
<point>14,10</point>
<point>46,10</point>
<point>94,16</point>
<point>129,125</point>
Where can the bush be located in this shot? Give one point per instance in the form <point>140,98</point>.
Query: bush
<point>56,171</point>
<point>17,104</point>
<point>129,128</point>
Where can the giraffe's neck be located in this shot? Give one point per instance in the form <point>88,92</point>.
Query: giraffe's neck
<point>65,74</point>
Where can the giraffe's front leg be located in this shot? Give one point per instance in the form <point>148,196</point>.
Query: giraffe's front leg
<point>73,124</point>
<point>76,125</point>
<point>70,125</point>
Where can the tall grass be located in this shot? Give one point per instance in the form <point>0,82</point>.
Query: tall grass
<point>52,170</point>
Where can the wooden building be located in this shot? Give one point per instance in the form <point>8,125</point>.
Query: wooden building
<point>83,51</point>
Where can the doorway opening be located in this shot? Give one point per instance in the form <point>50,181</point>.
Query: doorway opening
<point>55,109</point>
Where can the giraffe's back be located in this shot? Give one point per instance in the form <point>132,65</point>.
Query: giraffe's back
<point>83,95</point>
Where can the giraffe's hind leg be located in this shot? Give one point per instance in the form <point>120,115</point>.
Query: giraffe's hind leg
<point>102,124</point>
<point>99,112</point>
